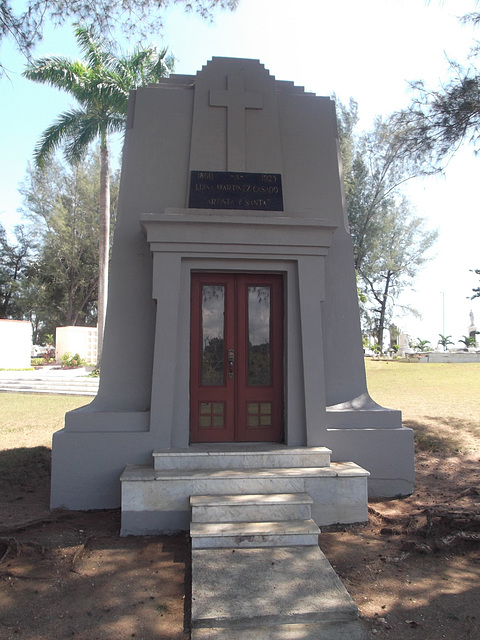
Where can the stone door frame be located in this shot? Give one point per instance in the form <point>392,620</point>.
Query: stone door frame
<point>183,241</point>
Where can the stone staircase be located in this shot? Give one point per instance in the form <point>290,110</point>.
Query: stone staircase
<point>258,573</point>
<point>156,498</point>
<point>246,521</point>
<point>55,382</point>
<point>253,512</point>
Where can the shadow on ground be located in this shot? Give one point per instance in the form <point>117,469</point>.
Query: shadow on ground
<point>455,435</point>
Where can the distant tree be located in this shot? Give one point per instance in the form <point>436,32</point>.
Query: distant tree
<point>25,23</point>
<point>394,262</point>
<point>468,341</point>
<point>444,341</point>
<point>375,168</point>
<point>422,345</point>
<point>438,121</point>
<point>61,206</point>
<point>101,85</point>
<point>476,290</point>
<point>389,242</point>
<point>15,259</point>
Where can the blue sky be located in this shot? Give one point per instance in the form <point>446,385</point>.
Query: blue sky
<point>368,50</point>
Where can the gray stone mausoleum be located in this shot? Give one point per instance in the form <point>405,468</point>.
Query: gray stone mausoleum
<point>233,357</point>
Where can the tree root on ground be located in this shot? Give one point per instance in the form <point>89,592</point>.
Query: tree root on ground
<point>440,527</point>
<point>13,547</point>
<point>30,524</point>
<point>439,544</point>
<point>79,552</point>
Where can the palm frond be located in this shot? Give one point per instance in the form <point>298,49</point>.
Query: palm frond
<point>57,72</point>
<point>87,129</point>
<point>54,136</point>
<point>116,124</point>
<point>163,66</point>
<point>144,66</point>
<point>94,47</point>
<point>100,83</point>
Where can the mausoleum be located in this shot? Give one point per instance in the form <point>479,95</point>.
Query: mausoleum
<point>232,359</point>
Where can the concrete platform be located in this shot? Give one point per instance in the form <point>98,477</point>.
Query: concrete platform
<point>246,588</point>
<point>159,500</point>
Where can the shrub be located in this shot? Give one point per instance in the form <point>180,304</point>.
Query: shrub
<point>70,362</point>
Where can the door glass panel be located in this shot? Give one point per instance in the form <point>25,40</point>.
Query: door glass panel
<point>259,335</point>
<point>213,311</point>
<point>212,414</point>
<point>259,414</point>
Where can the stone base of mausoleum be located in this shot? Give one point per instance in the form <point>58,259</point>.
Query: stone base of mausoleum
<point>93,450</point>
<point>380,442</point>
<point>156,497</point>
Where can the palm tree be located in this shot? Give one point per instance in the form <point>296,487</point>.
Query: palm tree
<point>444,341</point>
<point>100,84</point>
<point>468,341</point>
<point>422,345</point>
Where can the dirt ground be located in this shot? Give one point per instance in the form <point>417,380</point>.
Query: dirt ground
<point>413,570</point>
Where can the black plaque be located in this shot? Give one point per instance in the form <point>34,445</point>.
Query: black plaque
<point>236,190</point>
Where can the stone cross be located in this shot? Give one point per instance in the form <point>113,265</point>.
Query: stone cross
<point>236,100</point>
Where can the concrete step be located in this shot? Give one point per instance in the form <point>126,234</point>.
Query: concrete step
<point>49,380</point>
<point>241,535</point>
<point>140,473</point>
<point>353,630</point>
<point>47,384</point>
<point>246,589</point>
<point>251,508</point>
<point>68,386</point>
<point>253,456</point>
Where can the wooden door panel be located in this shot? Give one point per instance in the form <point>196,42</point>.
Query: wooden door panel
<point>260,342</point>
<point>236,386</point>
<point>211,390</point>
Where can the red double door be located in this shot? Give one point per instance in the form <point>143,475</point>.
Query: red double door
<point>236,358</point>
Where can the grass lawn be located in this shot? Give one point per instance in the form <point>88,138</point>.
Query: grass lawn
<point>441,402</point>
<point>71,574</point>
<point>30,419</point>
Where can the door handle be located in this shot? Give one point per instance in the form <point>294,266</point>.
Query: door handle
<point>230,360</point>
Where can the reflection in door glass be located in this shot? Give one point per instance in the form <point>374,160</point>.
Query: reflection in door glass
<point>259,335</point>
<point>213,308</point>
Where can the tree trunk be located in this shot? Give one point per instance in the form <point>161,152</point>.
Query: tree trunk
<point>104,242</point>
<point>86,299</point>
<point>383,309</point>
